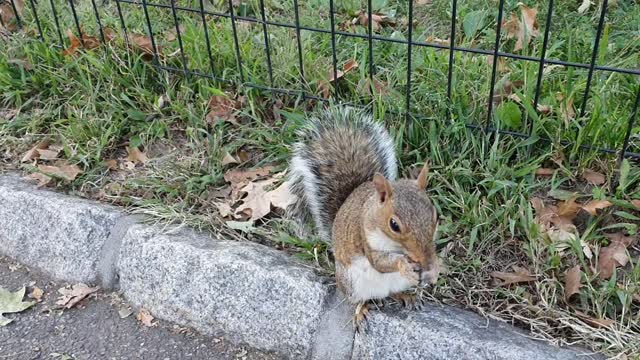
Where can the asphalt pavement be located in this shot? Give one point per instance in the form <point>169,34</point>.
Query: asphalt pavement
<point>101,326</point>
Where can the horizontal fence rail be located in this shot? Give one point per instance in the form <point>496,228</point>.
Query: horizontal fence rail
<point>370,37</point>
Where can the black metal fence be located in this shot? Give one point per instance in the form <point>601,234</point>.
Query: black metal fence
<point>623,151</point>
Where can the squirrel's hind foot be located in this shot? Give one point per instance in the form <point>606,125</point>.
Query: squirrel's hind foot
<point>360,317</point>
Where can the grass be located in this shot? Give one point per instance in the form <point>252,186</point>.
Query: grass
<point>96,102</point>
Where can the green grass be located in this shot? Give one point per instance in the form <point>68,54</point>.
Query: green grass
<point>98,101</point>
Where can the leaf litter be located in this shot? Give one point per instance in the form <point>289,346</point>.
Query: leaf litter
<point>70,296</point>
<point>11,302</point>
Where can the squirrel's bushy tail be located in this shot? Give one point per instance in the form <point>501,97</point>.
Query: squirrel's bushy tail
<point>337,151</point>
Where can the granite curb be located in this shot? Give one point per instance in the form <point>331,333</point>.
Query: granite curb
<point>248,293</point>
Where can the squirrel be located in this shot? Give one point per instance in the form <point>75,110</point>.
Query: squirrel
<point>382,230</point>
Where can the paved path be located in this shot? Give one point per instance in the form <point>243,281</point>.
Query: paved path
<point>94,329</point>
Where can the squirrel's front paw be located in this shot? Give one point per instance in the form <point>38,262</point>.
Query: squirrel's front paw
<point>410,270</point>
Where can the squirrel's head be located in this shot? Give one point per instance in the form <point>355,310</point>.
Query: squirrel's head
<point>408,221</point>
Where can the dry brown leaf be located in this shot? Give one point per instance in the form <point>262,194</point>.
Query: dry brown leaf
<point>8,16</point>
<point>545,109</point>
<point>112,164</point>
<point>87,41</point>
<point>599,323</point>
<point>48,154</point>
<point>613,255</point>
<point>143,44</point>
<point>239,176</point>
<point>545,172</point>
<point>65,171</point>
<point>537,204</point>
<point>636,203</point>
<point>172,34</point>
<point>41,178</point>
<point>145,318</point>
<point>434,40</point>
<point>221,108</point>
<point>33,152</point>
<point>36,294</point>
<point>593,177</point>
<point>348,67</point>
<point>229,159</point>
<point>224,209</point>
<point>592,206</point>
<point>379,86</point>
<point>243,156</point>
<point>136,156</point>
<point>572,282</point>
<point>379,21</point>
<point>258,202</point>
<point>71,295</point>
<point>520,275</point>
<point>324,88</point>
<point>523,30</point>
<point>569,209</point>
<point>109,34</point>
<point>584,7</point>
<point>567,109</point>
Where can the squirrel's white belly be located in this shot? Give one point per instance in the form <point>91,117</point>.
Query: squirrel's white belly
<point>368,283</point>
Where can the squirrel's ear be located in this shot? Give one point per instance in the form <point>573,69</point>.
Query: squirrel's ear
<point>383,187</point>
<point>422,178</point>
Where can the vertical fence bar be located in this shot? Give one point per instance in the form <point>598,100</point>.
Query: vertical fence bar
<point>156,57</point>
<point>206,37</point>
<point>97,13</point>
<point>299,41</point>
<point>235,40</point>
<point>122,23</point>
<point>174,13</point>
<point>543,60</point>
<point>632,120</point>
<point>494,69</point>
<point>267,49</point>
<point>594,57</point>
<point>15,12</point>
<point>409,58</point>
<point>370,38</point>
<point>57,22</point>
<point>76,21</point>
<point>333,50</point>
<point>37,19</point>
<point>452,41</point>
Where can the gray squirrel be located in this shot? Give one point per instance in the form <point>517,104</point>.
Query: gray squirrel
<point>343,172</point>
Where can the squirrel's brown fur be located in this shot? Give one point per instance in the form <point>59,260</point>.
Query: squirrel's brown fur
<point>383,230</point>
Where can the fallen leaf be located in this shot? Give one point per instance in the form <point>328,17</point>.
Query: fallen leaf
<point>569,209</point>
<point>12,303</point>
<point>258,202</point>
<point>324,89</point>
<point>136,156</point>
<point>593,177</point>
<point>545,172</point>
<point>41,178</point>
<point>72,295</point>
<point>124,312</point>
<point>348,67</point>
<point>65,171</point>
<point>36,293</point>
<point>222,108</point>
<point>520,275</point>
<point>172,34</point>
<point>87,41</point>
<point>33,152</point>
<point>613,255</point>
<point>567,109</point>
<point>572,282</point>
<point>636,203</point>
<point>145,318</point>
<point>224,209</point>
<point>592,206</point>
<point>109,34</point>
<point>112,164</point>
<point>229,159</point>
<point>599,323</point>
<point>239,176</point>
<point>545,109</point>
<point>48,154</point>
<point>379,21</point>
<point>523,30</point>
<point>143,43</point>
<point>8,16</point>
<point>584,7</point>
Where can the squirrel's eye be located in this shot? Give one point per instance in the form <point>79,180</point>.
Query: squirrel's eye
<point>394,226</point>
